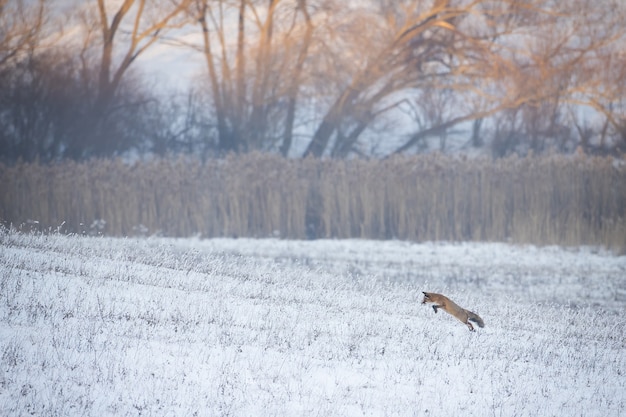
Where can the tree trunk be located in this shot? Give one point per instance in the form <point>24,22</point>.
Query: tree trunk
<point>258,118</point>
<point>295,81</point>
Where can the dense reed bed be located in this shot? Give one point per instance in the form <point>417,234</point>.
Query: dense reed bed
<point>538,200</point>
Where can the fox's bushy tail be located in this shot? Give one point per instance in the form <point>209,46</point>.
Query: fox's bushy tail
<point>476,319</point>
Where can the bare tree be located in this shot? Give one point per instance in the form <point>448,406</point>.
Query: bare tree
<point>300,48</point>
<point>25,29</point>
<point>133,28</point>
<point>336,71</point>
<point>597,80</point>
<point>572,67</point>
<point>255,52</point>
<point>411,47</point>
<point>493,56</point>
<point>61,98</point>
<point>22,26</point>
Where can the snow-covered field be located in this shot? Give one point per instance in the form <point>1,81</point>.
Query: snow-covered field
<point>187,327</point>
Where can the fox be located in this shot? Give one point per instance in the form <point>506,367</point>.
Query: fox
<point>449,306</point>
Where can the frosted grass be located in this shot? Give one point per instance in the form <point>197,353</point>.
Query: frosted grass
<point>243,327</point>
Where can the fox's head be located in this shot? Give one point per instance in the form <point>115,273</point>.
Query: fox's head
<point>426,298</point>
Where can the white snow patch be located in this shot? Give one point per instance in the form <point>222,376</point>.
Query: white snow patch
<point>183,327</point>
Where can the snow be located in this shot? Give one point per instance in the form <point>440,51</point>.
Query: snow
<point>245,327</point>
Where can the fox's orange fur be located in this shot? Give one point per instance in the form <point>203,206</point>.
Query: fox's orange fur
<point>449,306</point>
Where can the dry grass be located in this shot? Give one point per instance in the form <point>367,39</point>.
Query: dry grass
<point>539,200</point>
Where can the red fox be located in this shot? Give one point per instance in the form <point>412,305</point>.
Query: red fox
<point>441,301</point>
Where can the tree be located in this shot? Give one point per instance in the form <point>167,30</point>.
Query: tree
<point>255,79</point>
<point>46,100</point>
<point>22,27</point>
<point>316,77</point>
<point>493,56</point>
<point>77,95</point>
<point>148,22</point>
<point>413,47</point>
<point>571,73</point>
<point>274,65</point>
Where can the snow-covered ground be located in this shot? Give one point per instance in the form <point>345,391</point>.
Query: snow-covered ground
<point>242,327</point>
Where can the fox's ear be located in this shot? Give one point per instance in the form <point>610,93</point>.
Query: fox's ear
<point>425,294</point>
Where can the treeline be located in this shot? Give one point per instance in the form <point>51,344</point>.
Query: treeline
<point>540,200</point>
<point>315,78</point>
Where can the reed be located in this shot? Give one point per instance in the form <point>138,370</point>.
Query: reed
<point>539,200</point>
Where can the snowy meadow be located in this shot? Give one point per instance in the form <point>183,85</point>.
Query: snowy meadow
<point>264,327</point>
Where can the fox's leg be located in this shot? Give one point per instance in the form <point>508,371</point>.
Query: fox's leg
<point>435,307</point>
<point>470,326</point>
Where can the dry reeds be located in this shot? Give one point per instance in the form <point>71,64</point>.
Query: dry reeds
<point>540,200</point>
